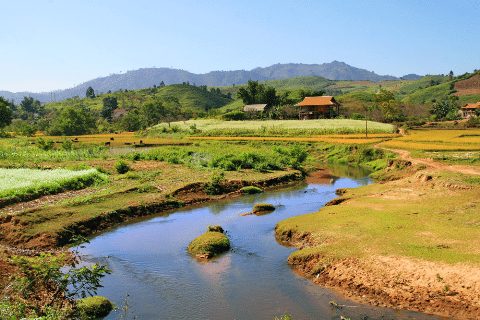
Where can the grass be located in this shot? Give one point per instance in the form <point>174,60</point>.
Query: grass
<point>410,219</point>
<point>94,307</point>
<point>229,156</point>
<point>251,190</point>
<point>22,184</point>
<point>260,208</point>
<point>213,127</point>
<point>209,244</point>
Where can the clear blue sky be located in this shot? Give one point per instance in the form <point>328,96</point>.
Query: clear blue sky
<point>54,44</point>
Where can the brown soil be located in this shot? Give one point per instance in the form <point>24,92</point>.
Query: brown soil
<point>468,86</point>
<point>402,283</point>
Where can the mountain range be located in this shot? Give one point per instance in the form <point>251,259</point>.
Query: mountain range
<point>148,77</point>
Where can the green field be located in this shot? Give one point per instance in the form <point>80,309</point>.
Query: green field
<point>212,127</point>
<point>22,184</point>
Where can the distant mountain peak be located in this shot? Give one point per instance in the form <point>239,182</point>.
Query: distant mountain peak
<point>148,77</point>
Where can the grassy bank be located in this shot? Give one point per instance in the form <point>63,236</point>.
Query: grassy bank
<point>376,239</point>
<point>156,179</point>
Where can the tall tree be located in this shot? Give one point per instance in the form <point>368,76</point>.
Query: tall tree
<point>72,121</point>
<point>90,93</point>
<point>109,105</point>
<point>5,113</point>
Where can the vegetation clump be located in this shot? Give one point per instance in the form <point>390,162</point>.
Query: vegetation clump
<point>122,167</point>
<point>262,208</point>
<point>94,307</point>
<point>251,190</point>
<point>209,244</point>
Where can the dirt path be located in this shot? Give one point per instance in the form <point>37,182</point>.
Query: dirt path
<point>430,163</point>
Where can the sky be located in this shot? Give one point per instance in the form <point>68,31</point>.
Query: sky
<point>57,44</point>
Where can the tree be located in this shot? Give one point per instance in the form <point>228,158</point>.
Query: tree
<point>445,109</point>
<point>258,93</point>
<point>90,93</point>
<point>385,102</point>
<point>5,113</point>
<point>450,75</point>
<point>131,121</point>
<point>162,84</point>
<point>72,121</point>
<point>109,105</point>
<point>30,108</point>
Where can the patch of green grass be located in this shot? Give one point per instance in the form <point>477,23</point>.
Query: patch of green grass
<point>407,218</point>
<point>262,207</point>
<point>251,190</point>
<point>22,184</point>
<point>94,307</point>
<point>209,244</point>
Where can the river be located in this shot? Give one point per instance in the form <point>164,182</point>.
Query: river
<point>154,276</point>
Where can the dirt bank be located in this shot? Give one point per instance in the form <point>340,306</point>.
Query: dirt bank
<point>11,228</point>
<point>391,281</point>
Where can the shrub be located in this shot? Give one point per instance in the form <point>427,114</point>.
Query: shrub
<point>122,167</point>
<point>67,144</point>
<point>251,190</point>
<point>215,228</point>
<point>215,186</point>
<point>94,307</point>
<point>45,144</point>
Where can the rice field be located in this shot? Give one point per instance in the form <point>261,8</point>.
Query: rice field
<point>23,184</point>
<point>333,139</point>
<point>437,140</point>
<point>215,127</point>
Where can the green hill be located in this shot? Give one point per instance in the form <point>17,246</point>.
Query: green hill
<point>192,99</point>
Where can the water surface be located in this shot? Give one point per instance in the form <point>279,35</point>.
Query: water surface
<point>150,264</point>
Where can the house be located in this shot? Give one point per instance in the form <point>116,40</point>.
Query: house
<point>318,107</point>
<point>255,107</point>
<point>470,110</point>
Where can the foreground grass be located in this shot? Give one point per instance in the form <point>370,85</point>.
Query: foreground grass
<point>433,220</point>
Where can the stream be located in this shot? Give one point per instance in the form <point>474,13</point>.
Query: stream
<point>154,276</point>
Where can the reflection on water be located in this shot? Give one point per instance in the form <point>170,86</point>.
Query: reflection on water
<point>252,281</point>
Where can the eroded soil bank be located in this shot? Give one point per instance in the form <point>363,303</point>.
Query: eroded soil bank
<point>410,243</point>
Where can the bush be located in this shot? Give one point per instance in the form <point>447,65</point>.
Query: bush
<point>45,144</point>
<point>215,228</point>
<point>215,186</point>
<point>251,190</point>
<point>122,167</point>
<point>94,307</point>
<point>67,144</point>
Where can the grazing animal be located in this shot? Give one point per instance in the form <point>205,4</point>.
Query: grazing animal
<point>107,143</point>
<point>111,139</point>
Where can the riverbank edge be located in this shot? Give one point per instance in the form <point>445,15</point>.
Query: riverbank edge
<point>340,274</point>
<point>186,196</point>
